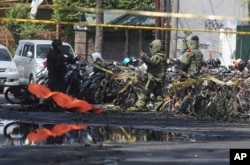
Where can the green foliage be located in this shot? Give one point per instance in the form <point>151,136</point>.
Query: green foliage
<point>68,10</point>
<point>22,30</point>
<point>29,30</point>
<point>108,4</point>
<point>59,14</point>
<point>128,4</point>
<point>18,11</point>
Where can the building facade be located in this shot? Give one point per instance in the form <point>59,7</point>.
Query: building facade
<point>214,41</point>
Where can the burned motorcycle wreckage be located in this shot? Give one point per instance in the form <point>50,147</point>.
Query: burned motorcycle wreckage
<point>218,91</point>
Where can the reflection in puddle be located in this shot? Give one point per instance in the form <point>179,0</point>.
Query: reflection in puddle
<point>19,134</point>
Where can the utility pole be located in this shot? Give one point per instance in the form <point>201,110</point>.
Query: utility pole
<point>174,33</point>
<point>167,37</point>
<point>99,29</point>
<point>58,36</point>
<point>167,32</point>
<point>157,19</point>
<point>162,9</point>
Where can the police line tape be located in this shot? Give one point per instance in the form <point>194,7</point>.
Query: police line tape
<point>164,14</point>
<point>229,83</point>
<point>191,82</point>
<point>176,84</point>
<point>102,69</point>
<point>117,26</point>
<point>118,75</point>
<point>144,13</point>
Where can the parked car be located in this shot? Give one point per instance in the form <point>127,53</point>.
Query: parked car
<point>30,56</point>
<point>8,71</point>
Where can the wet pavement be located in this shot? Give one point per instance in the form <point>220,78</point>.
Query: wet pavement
<point>124,138</point>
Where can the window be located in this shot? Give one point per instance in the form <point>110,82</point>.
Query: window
<point>19,50</point>
<point>42,50</point>
<point>4,55</point>
<point>67,50</point>
<point>28,48</point>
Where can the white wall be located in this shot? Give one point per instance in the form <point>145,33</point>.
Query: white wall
<point>210,41</point>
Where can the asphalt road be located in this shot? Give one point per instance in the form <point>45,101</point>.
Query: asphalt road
<point>210,143</point>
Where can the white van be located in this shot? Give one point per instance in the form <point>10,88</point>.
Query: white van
<point>30,57</point>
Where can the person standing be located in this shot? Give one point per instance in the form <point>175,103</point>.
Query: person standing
<point>155,74</point>
<point>56,63</point>
<point>192,58</point>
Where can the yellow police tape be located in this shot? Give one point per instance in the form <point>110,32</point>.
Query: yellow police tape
<point>134,12</point>
<point>103,69</point>
<point>229,83</point>
<point>145,13</point>
<point>175,84</point>
<point>190,82</point>
<point>117,75</point>
<point>116,26</point>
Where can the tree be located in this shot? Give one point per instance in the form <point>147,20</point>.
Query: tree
<point>72,15</point>
<point>131,5</point>
<point>22,30</point>
<point>65,10</point>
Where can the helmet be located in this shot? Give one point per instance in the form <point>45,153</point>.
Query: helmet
<point>237,62</point>
<point>96,56</point>
<point>155,46</point>
<point>217,61</point>
<point>56,43</point>
<point>214,62</point>
<point>126,61</point>
<point>192,42</point>
<point>135,61</point>
<point>195,38</point>
<point>241,65</point>
<point>155,43</point>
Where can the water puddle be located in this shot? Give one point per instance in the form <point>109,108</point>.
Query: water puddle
<point>19,134</point>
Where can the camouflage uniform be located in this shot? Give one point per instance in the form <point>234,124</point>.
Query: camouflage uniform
<point>191,61</point>
<point>155,73</point>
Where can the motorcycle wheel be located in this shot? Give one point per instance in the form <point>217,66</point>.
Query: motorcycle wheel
<point>200,104</point>
<point>186,106</point>
<point>210,108</point>
<point>168,106</point>
<point>14,130</point>
<point>98,95</point>
<point>130,99</point>
<point>16,94</point>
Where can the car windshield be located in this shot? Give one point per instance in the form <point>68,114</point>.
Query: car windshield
<point>42,50</point>
<point>4,55</point>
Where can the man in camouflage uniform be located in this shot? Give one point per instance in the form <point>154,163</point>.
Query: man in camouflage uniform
<point>192,58</point>
<point>155,72</point>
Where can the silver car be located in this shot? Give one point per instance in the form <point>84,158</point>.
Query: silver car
<point>9,75</point>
